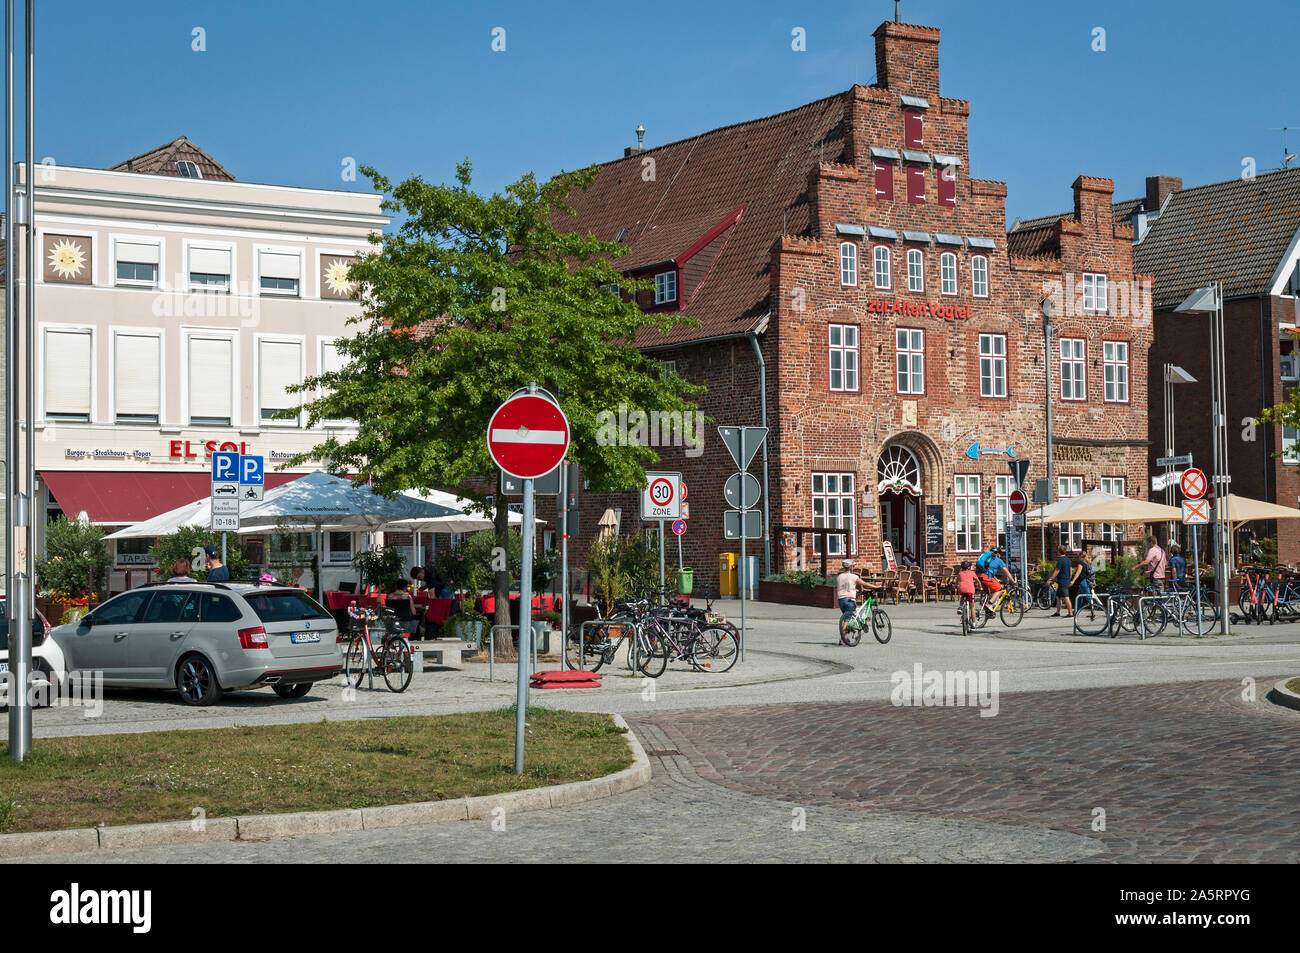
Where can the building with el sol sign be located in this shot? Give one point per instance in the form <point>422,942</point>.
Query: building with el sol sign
<point>841,254</point>
<point>174,306</point>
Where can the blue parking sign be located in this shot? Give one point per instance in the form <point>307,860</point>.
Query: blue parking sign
<point>225,467</point>
<point>252,471</point>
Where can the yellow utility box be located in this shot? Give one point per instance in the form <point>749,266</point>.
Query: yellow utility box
<point>727,583</point>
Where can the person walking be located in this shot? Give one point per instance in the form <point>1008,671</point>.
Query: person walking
<point>1061,576</point>
<point>1156,564</point>
<point>217,570</point>
<point>1178,566</point>
<point>1082,580</point>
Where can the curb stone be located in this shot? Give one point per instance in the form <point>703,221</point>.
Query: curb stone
<point>264,826</point>
<point>1281,695</point>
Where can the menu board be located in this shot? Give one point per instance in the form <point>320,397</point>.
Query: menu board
<point>887,551</point>
<point>934,530</point>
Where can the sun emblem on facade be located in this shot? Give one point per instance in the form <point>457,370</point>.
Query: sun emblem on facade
<point>67,259</point>
<point>336,278</point>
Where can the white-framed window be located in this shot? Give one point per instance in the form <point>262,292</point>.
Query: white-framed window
<point>187,169</point>
<point>966,510</point>
<point>69,359</point>
<point>338,546</point>
<point>1112,531</point>
<point>279,272</point>
<point>979,276</point>
<point>844,357</point>
<point>279,367</point>
<point>210,378</point>
<point>915,270</point>
<point>1115,363</point>
<point>667,368</point>
<point>1094,292</point>
<point>832,505</point>
<point>331,360</point>
<point>1071,533</point>
<point>909,351</point>
<point>137,377</point>
<point>1002,487</point>
<point>993,365</point>
<point>210,269</point>
<point>665,287</point>
<point>880,258</point>
<point>136,263</point>
<point>1290,445</point>
<point>948,273</point>
<point>849,264</point>
<point>1073,364</point>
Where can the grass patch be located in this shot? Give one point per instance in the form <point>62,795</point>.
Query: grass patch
<point>1293,686</point>
<point>162,776</point>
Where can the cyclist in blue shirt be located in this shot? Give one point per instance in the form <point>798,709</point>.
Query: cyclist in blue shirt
<point>989,567</point>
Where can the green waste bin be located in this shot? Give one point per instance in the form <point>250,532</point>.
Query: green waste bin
<point>685,580</point>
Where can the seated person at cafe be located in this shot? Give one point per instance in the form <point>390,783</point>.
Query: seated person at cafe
<point>399,600</point>
<point>417,578</point>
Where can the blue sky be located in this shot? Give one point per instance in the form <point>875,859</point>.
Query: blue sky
<point>286,89</point>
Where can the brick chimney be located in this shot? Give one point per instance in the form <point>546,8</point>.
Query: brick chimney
<point>1092,201</point>
<point>907,59</point>
<point>1159,188</point>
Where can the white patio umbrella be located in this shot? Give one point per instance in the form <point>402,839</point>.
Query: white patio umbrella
<point>1122,509</point>
<point>1090,498</point>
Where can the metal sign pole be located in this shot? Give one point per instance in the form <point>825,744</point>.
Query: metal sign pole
<point>661,560</point>
<point>741,574</point>
<point>1196,571</point>
<point>564,565</point>
<point>525,626</point>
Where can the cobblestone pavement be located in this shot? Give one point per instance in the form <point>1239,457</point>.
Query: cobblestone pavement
<point>1184,773</point>
<point>678,817</point>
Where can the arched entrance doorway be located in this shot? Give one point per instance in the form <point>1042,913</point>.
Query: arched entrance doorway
<point>898,484</point>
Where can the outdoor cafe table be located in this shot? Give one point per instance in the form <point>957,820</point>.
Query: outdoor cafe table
<point>341,600</point>
<point>435,610</point>
<point>546,603</point>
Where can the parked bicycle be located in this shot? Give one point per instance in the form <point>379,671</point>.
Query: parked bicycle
<point>676,633</point>
<point>392,660</point>
<point>1115,611</point>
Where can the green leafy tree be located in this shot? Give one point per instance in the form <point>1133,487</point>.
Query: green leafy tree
<point>471,298</point>
<point>76,559</point>
<point>187,543</point>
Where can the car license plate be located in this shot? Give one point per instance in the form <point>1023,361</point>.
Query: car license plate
<point>300,637</point>
<point>4,666</point>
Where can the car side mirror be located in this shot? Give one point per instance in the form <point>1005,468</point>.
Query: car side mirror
<point>87,620</point>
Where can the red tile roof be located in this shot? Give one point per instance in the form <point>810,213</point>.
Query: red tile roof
<point>163,159</point>
<point>762,165</point>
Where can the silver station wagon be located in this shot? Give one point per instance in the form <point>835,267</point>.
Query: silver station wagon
<point>204,639</point>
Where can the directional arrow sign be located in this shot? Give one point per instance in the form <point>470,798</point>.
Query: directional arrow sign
<point>754,437</point>
<point>742,490</point>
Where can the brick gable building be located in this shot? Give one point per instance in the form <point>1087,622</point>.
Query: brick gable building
<point>857,292</point>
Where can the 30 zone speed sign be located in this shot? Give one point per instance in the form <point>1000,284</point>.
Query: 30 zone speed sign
<point>662,497</point>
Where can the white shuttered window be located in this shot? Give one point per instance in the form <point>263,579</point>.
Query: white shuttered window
<point>137,368</point>
<point>279,367</point>
<point>68,363</point>
<point>210,370</point>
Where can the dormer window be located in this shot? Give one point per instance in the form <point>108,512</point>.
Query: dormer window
<point>666,287</point>
<point>187,169</point>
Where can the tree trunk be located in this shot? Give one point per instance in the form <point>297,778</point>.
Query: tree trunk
<point>505,648</point>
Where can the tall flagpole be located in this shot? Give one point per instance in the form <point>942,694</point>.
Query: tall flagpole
<point>11,337</point>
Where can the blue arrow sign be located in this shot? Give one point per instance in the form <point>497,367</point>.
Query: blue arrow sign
<point>225,467</point>
<point>252,471</point>
<point>975,451</point>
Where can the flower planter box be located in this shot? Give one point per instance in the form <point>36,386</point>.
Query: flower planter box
<point>793,594</point>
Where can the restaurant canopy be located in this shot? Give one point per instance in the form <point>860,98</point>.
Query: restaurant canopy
<point>1121,509</point>
<point>1090,498</point>
<point>1242,509</point>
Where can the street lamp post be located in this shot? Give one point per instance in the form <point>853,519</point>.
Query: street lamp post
<point>1048,308</point>
<point>1173,375</point>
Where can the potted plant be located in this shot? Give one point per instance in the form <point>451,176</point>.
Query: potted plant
<point>74,567</point>
<point>608,582</point>
<point>382,567</point>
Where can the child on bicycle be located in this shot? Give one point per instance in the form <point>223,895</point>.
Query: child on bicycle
<point>847,584</point>
<point>989,567</point>
<point>966,588</point>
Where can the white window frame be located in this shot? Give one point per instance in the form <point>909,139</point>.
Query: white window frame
<point>1291,445</point>
<point>1094,292</point>
<point>189,245</point>
<point>114,332</point>
<point>1002,487</point>
<point>259,250</point>
<point>879,261</point>
<point>965,498</point>
<point>908,350</point>
<point>979,263</point>
<point>1116,485</point>
<point>948,283</point>
<point>1077,358</point>
<point>1068,487</point>
<point>840,499</point>
<point>996,363</point>
<point>1112,371</point>
<point>210,332</point>
<point>666,289</point>
<point>916,277</point>
<point>258,341</point>
<point>157,283</point>
<point>848,264</point>
<point>847,353</point>
<point>47,381</point>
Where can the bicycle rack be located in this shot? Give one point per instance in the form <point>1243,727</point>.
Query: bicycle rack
<point>492,650</point>
<point>582,637</point>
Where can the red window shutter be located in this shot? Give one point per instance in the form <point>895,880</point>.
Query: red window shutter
<point>913,129</point>
<point>916,184</point>
<point>884,181</point>
<point>948,186</point>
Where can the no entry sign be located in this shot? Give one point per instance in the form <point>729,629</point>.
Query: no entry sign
<point>528,436</point>
<point>1017,502</point>
<point>1193,484</point>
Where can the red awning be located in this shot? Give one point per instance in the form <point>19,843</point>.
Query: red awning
<point>118,498</point>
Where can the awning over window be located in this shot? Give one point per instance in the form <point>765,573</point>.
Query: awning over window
<point>119,499</point>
